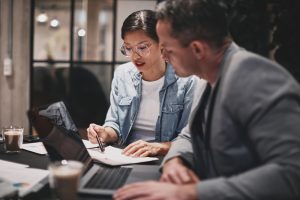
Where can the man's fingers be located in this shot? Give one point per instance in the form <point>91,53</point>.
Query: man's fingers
<point>133,191</point>
<point>194,177</point>
<point>178,175</point>
<point>174,177</point>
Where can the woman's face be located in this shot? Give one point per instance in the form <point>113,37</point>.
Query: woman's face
<point>145,53</point>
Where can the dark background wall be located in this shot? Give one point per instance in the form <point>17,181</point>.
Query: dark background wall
<point>268,27</point>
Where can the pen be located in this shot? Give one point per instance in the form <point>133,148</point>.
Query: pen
<point>101,146</point>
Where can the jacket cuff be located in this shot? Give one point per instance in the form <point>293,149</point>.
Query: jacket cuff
<point>213,189</point>
<point>115,127</point>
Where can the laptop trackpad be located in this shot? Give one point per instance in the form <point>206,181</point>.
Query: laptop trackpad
<point>143,172</point>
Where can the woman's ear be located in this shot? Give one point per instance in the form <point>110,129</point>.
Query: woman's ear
<point>197,49</point>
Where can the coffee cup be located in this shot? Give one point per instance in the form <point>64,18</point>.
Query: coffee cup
<point>64,178</point>
<point>13,139</point>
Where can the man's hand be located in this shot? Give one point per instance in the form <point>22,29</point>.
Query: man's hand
<point>156,190</point>
<point>141,148</point>
<point>174,171</point>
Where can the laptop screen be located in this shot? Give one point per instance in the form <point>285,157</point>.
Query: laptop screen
<point>59,134</point>
<point>58,114</point>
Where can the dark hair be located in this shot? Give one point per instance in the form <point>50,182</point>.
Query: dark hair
<point>195,19</point>
<point>142,20</point>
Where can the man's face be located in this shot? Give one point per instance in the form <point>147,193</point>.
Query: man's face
<point>180,57</point>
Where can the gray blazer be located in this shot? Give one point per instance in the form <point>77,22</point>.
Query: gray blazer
<point>254,145</point>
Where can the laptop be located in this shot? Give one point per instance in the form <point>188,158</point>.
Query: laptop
<point>62,141</point>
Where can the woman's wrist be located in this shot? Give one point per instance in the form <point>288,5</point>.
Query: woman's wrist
<point>112,136</point>
<point>163,148</point>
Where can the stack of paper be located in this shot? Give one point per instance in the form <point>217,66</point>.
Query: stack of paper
<point>22,177</point>
<point>35,147</point>
<point>8,164</point>
<point>89,145</point>
<point>39,148</point>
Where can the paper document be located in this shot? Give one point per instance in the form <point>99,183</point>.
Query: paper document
<point>12,165</point>
<point>39,148</point>
<point>113,156</point>
<point>24,179</point>
<point>89,145</point>
<point>35,147</point>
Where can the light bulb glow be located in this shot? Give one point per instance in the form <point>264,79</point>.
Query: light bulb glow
<point>81,32</point>
<point>42,18</point>
<point>54,23</point>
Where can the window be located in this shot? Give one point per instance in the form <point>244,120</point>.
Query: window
<point>75,48</point>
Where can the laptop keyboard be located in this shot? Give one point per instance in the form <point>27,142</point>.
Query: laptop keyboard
<point>109,178</point>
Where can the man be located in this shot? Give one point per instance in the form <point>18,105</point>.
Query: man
<point>245,133</point>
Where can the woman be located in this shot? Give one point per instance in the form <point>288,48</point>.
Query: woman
<point>149,103</point>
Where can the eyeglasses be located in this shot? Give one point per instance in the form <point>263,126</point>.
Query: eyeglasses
<point>140,49</point>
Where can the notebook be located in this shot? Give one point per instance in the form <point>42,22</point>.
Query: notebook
<point>61,139</point>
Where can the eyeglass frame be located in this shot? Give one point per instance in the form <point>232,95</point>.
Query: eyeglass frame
<point>134,49</point>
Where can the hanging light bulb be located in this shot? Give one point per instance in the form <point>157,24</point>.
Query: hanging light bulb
<point>81,32</point>
<point>42,18</point>
<point>54,23</point>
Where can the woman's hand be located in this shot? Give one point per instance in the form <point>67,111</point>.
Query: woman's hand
<point>142,148</point>
<point>106,134</point>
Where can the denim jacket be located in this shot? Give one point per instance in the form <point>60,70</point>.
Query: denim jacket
<point>176,98</point>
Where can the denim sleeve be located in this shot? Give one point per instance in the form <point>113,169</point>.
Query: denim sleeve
<point>188,100</point>
<point>182,146</point>
<point>112,116</point>
<point>194,89</point>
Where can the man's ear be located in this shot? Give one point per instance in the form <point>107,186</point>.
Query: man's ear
<point>197,49</point>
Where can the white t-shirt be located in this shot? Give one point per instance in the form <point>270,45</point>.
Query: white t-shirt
<point>144,126</point>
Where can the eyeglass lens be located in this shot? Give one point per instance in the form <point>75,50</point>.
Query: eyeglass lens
<point>141,49</point>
